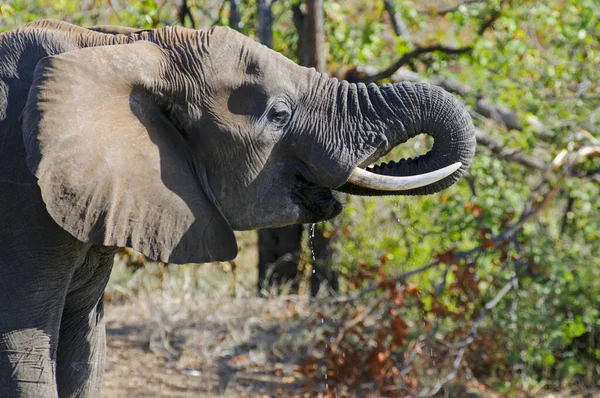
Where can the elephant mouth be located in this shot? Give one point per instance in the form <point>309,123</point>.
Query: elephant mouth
<point>318,202</point>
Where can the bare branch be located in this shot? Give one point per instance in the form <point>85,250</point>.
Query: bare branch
<point>427,392</point>
<point>444,11</point>
<point>184,12</point>
<point>218,20</point>
<point>406,58</point>
<point>498,113</point>
<point>498,149</point>
<point>492,18</point>
<point>398,23</point>
<point>565,219</point>
<point>420,50</point>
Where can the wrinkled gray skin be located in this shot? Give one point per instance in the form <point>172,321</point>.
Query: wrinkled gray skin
<point>166,141</point>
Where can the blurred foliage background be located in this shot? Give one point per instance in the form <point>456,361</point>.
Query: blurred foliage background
<point>507,280</point>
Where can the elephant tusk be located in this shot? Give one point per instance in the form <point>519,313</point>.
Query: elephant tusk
<point>367,179</point>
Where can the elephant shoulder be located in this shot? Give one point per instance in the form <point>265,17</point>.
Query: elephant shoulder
<point>20,52</point>
<point>21,49</point>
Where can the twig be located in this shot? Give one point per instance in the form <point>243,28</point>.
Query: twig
<point>444,11</point>
<point>427,392</point>
<point>420,50</point>
<point>183,12</point>
<point>502,152</point>
<point>406,58</point>
<point>112,7</point>
<point>398,23</point>
<point>526,217</point>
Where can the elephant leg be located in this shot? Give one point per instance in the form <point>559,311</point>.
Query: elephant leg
<point>81,354</point>
<point>82,342</point>
<point>27,363</point>
<point>31,304</point>
<point>37,259</point>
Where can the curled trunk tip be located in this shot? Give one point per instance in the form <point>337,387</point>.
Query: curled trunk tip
<point>407,110</point>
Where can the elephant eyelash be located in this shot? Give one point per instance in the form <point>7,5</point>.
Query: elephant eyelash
<point>280,114</point>
<point>280,117</point>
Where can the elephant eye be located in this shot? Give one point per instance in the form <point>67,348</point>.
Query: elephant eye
<point>280,114</point>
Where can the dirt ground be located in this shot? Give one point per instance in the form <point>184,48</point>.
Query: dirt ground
<point>136,369</point>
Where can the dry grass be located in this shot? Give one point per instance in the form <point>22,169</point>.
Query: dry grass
<point>202,329</point>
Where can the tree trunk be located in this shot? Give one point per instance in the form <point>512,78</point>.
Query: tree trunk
<point>299,19</point>
<point>315,35</point>
<point>183,12</point>
<point>278,256</point>
<point>265,22</point>
<point>323,257</point>
<point>235,15</point>
<point>279,248</point>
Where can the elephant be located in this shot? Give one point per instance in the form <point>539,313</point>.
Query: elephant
<point>166,141</point>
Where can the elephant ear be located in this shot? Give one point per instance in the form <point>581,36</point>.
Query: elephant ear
<point>111,167</point>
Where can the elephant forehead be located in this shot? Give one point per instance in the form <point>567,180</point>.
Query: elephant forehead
<point>234,57</point>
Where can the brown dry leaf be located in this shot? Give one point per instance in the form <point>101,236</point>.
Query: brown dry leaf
<point>239,358</point>
<point>399,330</point>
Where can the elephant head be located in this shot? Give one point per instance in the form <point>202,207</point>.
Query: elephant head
<point>169,142</point>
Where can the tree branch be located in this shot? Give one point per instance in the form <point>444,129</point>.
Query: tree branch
<point>444,11</point>
<point>485,110</point>
<point>420,50</point>
<point>398,23</point>
<point>498,149</point>
<point>406,58</point>
<point>428,392</point>
<point>184,11</point>
<point>314,30</point>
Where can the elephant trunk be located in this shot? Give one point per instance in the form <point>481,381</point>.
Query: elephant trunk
<point>403,111</point>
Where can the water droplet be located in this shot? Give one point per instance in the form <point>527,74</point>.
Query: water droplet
<point>312,250</point>
<point>395,213</point>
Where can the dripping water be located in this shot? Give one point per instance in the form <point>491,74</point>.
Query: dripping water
<point>312,248</point>
<point>396,214</point>
<point>312,251</point>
